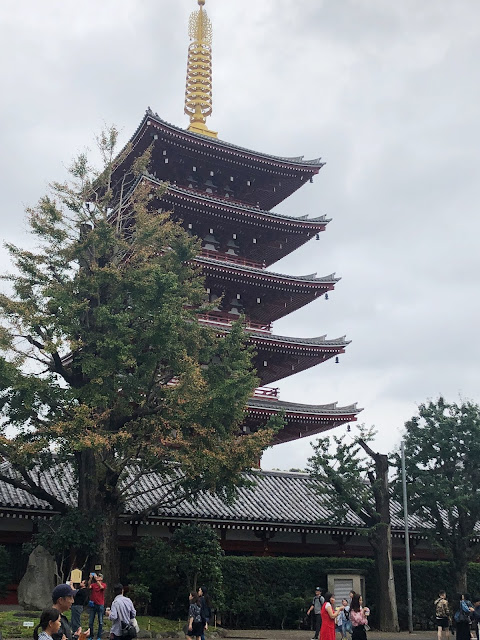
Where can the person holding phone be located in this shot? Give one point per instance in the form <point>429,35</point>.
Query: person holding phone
<point>97,596</point>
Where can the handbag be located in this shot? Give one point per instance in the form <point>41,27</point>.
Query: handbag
<point>461,616</point>
<point>128,630</point>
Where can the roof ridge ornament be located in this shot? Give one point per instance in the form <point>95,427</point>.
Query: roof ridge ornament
<point>198,90</point>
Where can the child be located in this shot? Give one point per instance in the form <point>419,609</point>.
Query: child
<point>50,623</point>
<point>343,618</point>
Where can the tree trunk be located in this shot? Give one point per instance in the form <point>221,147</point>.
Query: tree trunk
<point>107,551</point>
<point>459,571</point>
<point>381,541</point>
<point>386,597</point>
<point>98,499</point>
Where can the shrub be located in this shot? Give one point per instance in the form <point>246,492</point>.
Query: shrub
<point>5,571</point>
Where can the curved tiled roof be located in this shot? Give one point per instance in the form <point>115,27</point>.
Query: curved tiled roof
<point>272,497</point>
<point>324,410</point>
<point>230,203</point>
<point>307,342</point>
<point>311,278</point>
<point>295,161</point>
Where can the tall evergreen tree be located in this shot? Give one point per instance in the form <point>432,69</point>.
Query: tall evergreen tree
<point>442,450</point>
<point>105,368</point>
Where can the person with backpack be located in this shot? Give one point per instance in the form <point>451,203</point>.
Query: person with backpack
<point>195,624</point>
<point>442,615</point>
<point>316,608</point>
<point>462,616</point>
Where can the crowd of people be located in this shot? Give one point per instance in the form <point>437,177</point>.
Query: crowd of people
<point>465,619</point>
<point>55,625</point>
<point>351,617</point>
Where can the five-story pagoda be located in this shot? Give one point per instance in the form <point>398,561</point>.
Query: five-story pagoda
<point>224,194</point>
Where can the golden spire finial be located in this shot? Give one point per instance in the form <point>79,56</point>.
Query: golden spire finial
<point>198,92</point>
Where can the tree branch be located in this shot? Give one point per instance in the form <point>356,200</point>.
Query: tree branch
<point>34,490</point>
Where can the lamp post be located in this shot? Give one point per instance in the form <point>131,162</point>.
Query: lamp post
<point>407,541</point>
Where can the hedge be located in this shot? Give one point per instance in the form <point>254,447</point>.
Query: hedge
<point>274,593</point>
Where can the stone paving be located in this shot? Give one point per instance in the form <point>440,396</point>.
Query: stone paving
<point>262,634</point>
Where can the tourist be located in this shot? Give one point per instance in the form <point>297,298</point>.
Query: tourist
<point>205,608</point>
<point>343,619</point>
<point>122,611</point>
<point>62,598</point>
<point>80,600</point>
<point>97,597</point>
<point>463,616</point>
<point>329,616</point>
<point>358,618</point>
<point>442,615</point>
<point>50,624</point>
<point>476,616</point>
<point>316,608</point>
<point>195,624</point>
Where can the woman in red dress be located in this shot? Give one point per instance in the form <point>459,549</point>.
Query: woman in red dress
<point>328,613</point>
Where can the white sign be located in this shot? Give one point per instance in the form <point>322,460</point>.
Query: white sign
<point>28,623</point>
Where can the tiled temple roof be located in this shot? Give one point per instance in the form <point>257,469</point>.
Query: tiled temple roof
<point>231,203</point>
<point>307,409</point>
<point>298,160</point>
<point>308,279</point>
<point>306,342</point>
<point>277,499</point>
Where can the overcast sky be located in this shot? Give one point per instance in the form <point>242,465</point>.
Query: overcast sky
<point>387,92</point>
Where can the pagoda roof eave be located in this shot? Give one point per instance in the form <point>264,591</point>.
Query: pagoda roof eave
<point>320,412</point>
<point>310,279</point>
<point>314,224</point>
<point>320,341</point>
<point>298,161</point>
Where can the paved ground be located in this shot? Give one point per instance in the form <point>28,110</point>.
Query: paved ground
<point>261,634</point>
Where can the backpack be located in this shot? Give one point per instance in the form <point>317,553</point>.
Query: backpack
<point>197,613</point>
<point>441,608</point>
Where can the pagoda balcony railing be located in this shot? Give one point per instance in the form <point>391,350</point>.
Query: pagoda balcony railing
<point>272,393</point>
<point>217,255</point>
<point>223,319</point>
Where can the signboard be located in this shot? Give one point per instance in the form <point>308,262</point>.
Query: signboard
<point>98,567</point>
<point>76,576</point>
<point>28,623</point>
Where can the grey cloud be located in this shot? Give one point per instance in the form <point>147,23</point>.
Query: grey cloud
<point>386,93</point>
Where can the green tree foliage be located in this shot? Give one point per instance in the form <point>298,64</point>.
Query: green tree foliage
<point>198,558</point>
<point>442,449</point>
<point>70,538</point>
<point>192,557</point>
<point>102,319</point>
<point>154,566</point>
<point>361,483</point>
